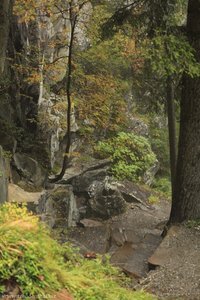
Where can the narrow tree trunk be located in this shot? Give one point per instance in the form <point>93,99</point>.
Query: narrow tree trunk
<point>73,20</point>
<point>186,197</point>
<point>171,129</point>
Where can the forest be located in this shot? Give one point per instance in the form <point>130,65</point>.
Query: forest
<point>100,149</point>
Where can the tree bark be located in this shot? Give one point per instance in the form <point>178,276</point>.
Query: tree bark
<point>171,129</point>
<point>186,196</point>
<point>5,13</point>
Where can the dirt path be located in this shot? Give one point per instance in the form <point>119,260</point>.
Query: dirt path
<point>178,256</point>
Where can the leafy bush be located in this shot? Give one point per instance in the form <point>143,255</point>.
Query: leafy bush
<point>131,155</point>
<point>40,266</point>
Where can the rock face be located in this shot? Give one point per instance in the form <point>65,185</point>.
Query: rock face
<point>58,208</point>
<point>29,170</point>
<point>97,194</point>
<point>133,193</point>
<point>17,115</point>
<point>150,173</point>
<point>138,126</point>
<point>4,174</point>
<point>81,178</point>
<point>18,195</point>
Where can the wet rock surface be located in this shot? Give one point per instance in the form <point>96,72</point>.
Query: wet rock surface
<point>130,238</point>
<point>93,239</point>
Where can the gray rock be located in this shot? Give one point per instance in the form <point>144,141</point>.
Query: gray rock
<point>4,174</point>
<point>132,257</point>
<point>150,173</point>
<point>58,207</point>
<point>17,195</point>
<point>90,223</point>
<point>94,239</point>
<point>82,183</point>
<point>105,199</point>
<point>29,170</point>
<point>82,178</point>
<point>138,126</point>
<point>134,193</point>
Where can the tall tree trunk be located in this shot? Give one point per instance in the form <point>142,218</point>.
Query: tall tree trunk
<point>5,13</point>
<point>171,129</point>
<point>186,197</point>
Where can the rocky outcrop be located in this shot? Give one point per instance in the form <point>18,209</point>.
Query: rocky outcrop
<point>58,208</point>
<point>4,176</point>
<point>138,126</point>
<point>18,195</point>
<point>29,170</point>
<point>133,193</point>
<point>96,192</point>
<point>105,199</point>
<point>149,175</point>
<point>81,176</point>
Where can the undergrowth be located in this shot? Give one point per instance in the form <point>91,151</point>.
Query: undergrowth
<point>40,266</point>
<point>131,155</point>
<point>163,187</point>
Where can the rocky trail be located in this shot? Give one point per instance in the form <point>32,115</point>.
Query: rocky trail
<point>130,238</point>
<point>168,268</point>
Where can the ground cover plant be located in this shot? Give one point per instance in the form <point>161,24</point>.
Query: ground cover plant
<point>39,266</point>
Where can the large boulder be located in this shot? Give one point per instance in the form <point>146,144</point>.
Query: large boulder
<point>18,195</point>
<point>105,199</point>
<point>58,207</point>
<point>82,178</point>
<point>134,193</point>
<point>28,170</point>
<point>4,177</point>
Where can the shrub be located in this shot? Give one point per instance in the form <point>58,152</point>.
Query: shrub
<point>40,266</point>
<point>131,155</point>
